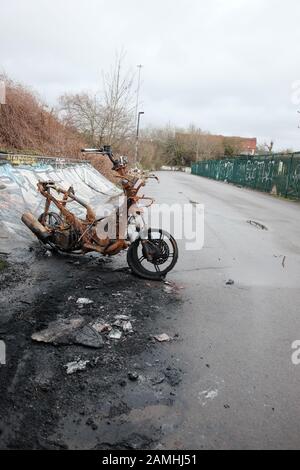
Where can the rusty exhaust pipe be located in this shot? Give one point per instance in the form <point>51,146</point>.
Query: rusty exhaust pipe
<point>35,226</point>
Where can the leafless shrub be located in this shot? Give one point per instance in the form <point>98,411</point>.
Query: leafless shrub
<point>27,125</point>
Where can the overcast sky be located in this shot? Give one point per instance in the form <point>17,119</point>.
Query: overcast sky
<point>226,66</point>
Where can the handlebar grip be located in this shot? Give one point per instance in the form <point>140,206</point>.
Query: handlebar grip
<point>91,150</point>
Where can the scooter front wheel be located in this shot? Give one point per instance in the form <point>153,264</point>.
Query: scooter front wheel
<point>165,255</point>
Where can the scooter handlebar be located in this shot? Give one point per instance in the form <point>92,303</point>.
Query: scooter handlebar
<point>105,150</point>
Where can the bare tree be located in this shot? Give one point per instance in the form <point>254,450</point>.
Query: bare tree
<point>269,146</point>
<point>106,117</point>
<point>118,102</point>
<point>85,113</point>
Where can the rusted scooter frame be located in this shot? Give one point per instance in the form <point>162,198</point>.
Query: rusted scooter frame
<point>72,234</point>
<point>88,239</point>
<point>84,231</point>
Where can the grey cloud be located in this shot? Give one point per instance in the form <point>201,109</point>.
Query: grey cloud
<point>226,66</point>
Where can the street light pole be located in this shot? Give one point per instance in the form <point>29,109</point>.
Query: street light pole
<point>137,135</point>
<point>138,93</point>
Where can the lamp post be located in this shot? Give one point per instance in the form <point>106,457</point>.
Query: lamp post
<point>137,135</point>
<point>138,93</point>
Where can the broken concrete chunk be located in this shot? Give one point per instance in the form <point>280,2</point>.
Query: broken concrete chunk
<point>84,301</point>
<point>75,366</point>
<point>70,331</point>
<point>127,327</point>
<point>122,317</point>
<point>115,334</point>
<point>89,337</point>
<point>162,338</point>
<point>58,332</point>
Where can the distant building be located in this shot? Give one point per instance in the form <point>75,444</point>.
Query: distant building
<point>212,146</point>
<point>247,145</point>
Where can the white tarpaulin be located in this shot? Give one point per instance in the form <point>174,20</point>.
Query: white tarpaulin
<point>18,194</point>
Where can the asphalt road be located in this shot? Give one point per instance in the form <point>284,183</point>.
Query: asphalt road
<point>240,388</point>
<point>227,380</point>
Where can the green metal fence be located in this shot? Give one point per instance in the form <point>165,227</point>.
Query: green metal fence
<point>277,173</point>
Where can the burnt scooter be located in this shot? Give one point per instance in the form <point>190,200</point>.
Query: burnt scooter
<point>151,254</point>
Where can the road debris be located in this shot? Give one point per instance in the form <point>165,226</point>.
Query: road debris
<point>162,338</point>
<point>69,331</point>
<point>127,327</point>
<point>172,287</point>
<point>59,331</point>
<point>169,289</point>
<point>208,395</point>
<point>101,327</point>
<point>257,224</point>
<point>133,376</point>
<point>76,366</point>
<point>88,336</point>
<point>283,259</point>
<point>115,334</point>
<point>122,317</point>
<point>84,301</point>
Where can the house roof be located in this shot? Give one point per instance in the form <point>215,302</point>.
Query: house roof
<point>246,144</point>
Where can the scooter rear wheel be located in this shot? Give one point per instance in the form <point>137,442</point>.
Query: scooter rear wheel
<point>161,264</point>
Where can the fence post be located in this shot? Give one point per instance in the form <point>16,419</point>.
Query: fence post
<point>288,179</point>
